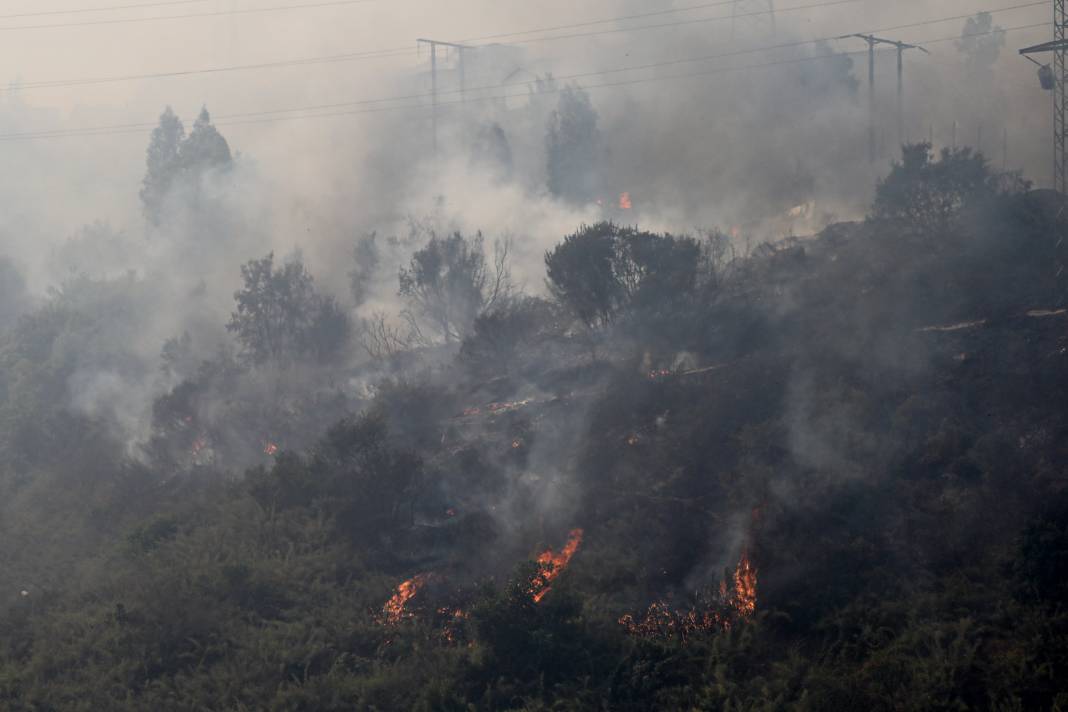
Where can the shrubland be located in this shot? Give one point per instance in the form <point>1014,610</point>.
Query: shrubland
<point>822,474</point>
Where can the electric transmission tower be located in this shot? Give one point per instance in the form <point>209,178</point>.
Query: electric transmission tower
<point>1053,79</point>
<point>760,13</point>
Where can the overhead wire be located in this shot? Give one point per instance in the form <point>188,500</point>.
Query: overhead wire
<point>399,51</point>
<point>273,116</point>
<point>159,18</point>
<point>105,8</point>
<point>407,51</point>
<point>266,116</point>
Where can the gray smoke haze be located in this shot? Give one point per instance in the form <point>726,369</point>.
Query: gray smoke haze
<point>762,152</point>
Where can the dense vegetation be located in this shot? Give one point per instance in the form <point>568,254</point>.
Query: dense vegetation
<point>873,417</point>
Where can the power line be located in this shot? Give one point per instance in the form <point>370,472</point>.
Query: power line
<point>273,115</point>
<point>762,12</point>
<point>407,51</point>
<point>718,18</point>
<point>589,23</point>
<point>799,43</point>
<point>266,116</point>
<point>214,13</point>
<point>57,83</point>
<point>105,8</point>
<point>389,52</point>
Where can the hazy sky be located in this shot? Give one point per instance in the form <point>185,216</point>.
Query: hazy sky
<point>200,42</point>
<point>76,180</point>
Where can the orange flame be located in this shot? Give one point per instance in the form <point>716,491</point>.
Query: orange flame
<point>738,596</point>
<point>270,448</point>
<point>624,201</point>
<point>552,565</point>
<point>393,610</point>
<point>745,587</point>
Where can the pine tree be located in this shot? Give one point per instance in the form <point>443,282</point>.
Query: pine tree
<point>573,147</point>
<point>162,160</point>
<point>205,148</point>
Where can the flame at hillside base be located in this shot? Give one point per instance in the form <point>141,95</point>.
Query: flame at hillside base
<point>552,565</point>
<point>393,610</point>
<point>745,587</point>
<point>737,601</point>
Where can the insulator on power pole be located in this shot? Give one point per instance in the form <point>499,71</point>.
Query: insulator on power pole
<point>1045,77</point>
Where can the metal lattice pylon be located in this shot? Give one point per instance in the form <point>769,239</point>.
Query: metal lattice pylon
<point>1060,98</point>
<point>757,13</point>
<point>1054,79</point>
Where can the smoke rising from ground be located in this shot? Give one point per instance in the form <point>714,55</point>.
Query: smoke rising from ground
<point>539,148</point>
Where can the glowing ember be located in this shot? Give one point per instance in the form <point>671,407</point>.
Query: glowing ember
<point>454,620</point>
<point>552,565</point>
<point>198,445</point>
<point>659,373</point>
<point>745,587</point>
<point>633,439</point>
<point>662,622</point>
<point>516,444</point>
<point>450,512</point>
<point>624,202</point>
<point>270,448</point>
<point>737,601</point>
<point>393,610</point>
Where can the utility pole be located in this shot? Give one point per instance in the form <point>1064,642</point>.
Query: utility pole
<point>763,11</point>
<point>1054,80</point>
<point>460,49</point>
<point>901,47</point>
<point>872,40</point>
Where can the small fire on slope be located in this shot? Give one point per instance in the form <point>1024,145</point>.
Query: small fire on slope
<point>738,598</point>
<point>393,610</point>
<point>552,565</point>
<point>745,587</point>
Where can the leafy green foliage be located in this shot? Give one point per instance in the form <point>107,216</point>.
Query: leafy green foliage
<point>280,316</point>
<point>926,195</point>
<point>605,269</point>
<point>449,283</point>
<point>888,451</point>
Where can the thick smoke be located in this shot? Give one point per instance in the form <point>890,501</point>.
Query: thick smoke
<point>764,138</point>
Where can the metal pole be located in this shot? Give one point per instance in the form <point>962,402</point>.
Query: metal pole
<point>463,78</point>
<point>871,99</point>
<point>1060,98</point>
<point>434,91</point>
<point>900,96</point>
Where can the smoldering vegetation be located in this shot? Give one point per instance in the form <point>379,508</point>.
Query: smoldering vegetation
<point>502,430</point>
